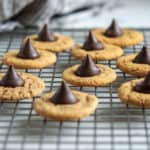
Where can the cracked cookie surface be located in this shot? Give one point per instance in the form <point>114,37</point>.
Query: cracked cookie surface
<point>62,43</point>
<point>105,77</point>
<point>45,59</point>
<point>32,87</point>
<point>129,37</point>
<point>126,64</point>
<point>85,106</point>
<point>108,53</point>
<point>129,96</point>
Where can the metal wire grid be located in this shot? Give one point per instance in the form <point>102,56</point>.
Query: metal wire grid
<point>113,126</point>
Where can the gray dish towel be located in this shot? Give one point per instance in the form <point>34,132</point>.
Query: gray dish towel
<point>16,13</point>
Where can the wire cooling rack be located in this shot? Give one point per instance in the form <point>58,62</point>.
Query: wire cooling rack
<point>113,126</point>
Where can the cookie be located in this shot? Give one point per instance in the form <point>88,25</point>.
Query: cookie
<point>32,87</point>
<point>45,59</point>
<point>128,38</point>
<point>86,105</point>
<point>126,64</point>
<point>61,43</point>
<point>109,52</point>
<point>105,77</point>
<point>128,95</point>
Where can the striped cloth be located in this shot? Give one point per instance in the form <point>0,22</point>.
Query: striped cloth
<point>36,12</point>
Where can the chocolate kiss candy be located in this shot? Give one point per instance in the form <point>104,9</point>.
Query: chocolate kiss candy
<point>28,51</point>
<point>143,57</point>
<point>64,95</point>
<point>87,68</point>
<point>11,79</point>
<point>143,86</point>
<point>91,43</point>
<point>113,30</point>
<point>46,35</point>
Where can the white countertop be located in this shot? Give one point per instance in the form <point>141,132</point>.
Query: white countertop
<point>129,13</point>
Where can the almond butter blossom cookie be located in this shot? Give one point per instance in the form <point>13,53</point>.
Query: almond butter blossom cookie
<point>16,86</point>
<point>65,104</point>
<point>96,49</point>
<point>28,57</point>
<point>117,36</point>
<point>89,74</point>
<point>47,40</point>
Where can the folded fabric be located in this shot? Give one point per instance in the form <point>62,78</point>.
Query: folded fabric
<point>36,12</point>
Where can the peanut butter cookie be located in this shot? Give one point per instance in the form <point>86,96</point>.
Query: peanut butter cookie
<point>61,105</point>
<point>109,52</point>
<point>45,59</point>
<point>117,36</point>
<point>96,49</point>
<point>135,64</point>
<point>29,57</point>
<point>105,77</point>
<point>128,38</point>
<point>16,86</point>
<point>89,74</point>
<point>46,40</point>
<point>136,92</point>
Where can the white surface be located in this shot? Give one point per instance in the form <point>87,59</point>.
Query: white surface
<point>129,13</point>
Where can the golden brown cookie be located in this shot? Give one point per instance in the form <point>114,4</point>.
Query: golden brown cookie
<point>128,38</point>
<point>45,59</point>
<point>108,53</point>
<point>126,64</point>
<point>130,96</point>
<point>85,106</point>
<point>61,43</point>
<point>105,77</point>
<point>32,87</point>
